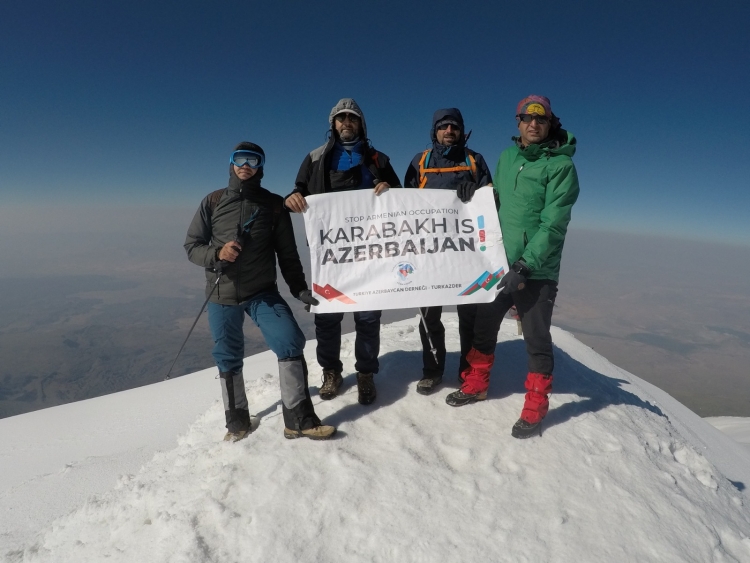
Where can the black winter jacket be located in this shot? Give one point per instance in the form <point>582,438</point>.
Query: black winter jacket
<point>268,233</point>
<point>314,173</point>
<point>315,176</point>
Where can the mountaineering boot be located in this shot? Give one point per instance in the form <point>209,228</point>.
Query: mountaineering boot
<point>331,382</point>
<point>235,405</point>
<point>365,388</point>
<point>428,384</point>
<point>475,379</point>
<point>535,406</point>
<point>523,429</point>
<point>319,432</point>
<point>300,420</point>
<point>236,436</point>
<point>459,398</point>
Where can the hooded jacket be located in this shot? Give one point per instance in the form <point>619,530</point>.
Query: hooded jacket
<point>537,187</point>
<point>267,234</point>
<point>447,157</point>
<point>315,175</point>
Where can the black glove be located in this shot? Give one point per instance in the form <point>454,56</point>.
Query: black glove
<point>307,298</point>
<point>515,280</point>
<point>465,191</point>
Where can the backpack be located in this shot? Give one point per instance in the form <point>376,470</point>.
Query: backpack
<point>471,164</point>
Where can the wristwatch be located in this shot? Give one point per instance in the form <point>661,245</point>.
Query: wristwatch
<point>520,267</point>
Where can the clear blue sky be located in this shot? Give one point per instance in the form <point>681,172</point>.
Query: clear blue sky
<point>141,102</point>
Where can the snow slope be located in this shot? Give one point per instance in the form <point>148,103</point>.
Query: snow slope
<point>735,427</point>
<point>623,472</point>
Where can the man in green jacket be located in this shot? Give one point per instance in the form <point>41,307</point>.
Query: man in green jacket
<point>537,186</point>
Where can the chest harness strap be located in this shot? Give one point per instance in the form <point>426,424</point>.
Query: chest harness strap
<point>471,165</point>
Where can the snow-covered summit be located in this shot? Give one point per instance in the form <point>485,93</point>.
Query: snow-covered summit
<point>623,472</point>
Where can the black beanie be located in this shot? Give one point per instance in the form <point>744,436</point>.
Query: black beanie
<point>248,146</point>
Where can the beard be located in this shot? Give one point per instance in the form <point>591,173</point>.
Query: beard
<point>348,135</point>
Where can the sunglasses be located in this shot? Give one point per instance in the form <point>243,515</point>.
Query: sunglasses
<point>529,117</point>
<point>342,117</point>
<point>445,126</point>
<point>250,158</point>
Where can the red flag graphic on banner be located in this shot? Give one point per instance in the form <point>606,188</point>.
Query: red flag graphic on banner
<point>331,293</point>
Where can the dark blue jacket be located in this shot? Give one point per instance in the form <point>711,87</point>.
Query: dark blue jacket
<point>447,157</point>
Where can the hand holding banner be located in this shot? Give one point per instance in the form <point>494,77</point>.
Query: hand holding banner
<point>404,248</point>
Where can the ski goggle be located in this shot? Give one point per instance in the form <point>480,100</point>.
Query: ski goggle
<point>251,158</point>
<point>529,117</point>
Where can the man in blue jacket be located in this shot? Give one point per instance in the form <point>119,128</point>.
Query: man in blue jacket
<point>448,165</point>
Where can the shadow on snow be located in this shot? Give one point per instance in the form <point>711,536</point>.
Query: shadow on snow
<point>400,370</point>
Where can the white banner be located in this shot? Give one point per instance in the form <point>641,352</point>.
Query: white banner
<point>404,248</point>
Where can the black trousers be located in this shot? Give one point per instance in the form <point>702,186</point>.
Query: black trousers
<point>366,342</point>
<point>478,328</point>
<point>466,314</point>
<point>432,368</point>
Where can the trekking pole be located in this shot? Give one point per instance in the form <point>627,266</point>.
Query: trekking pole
<point>219,268</point>
<point>429,338</point>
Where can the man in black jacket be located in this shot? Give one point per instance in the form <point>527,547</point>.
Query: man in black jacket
<point>448,165</point>
<point>236,235</point>
<point>346,162</point>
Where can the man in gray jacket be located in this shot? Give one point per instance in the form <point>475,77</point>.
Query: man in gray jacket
<point>236,235</point>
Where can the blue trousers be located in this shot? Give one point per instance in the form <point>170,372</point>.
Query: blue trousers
<point>270,313</point>
<point>366,343</point>
<point>283,335</point>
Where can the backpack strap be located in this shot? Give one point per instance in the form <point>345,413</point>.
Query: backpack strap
<point>214,197</point>
<point>471,165</point>
<point>422,168</point>
<point>213,200</point>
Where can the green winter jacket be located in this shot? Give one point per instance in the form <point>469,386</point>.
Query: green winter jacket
<point>537,187</point>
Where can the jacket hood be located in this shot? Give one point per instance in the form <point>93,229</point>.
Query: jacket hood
<point>348,105</point>
<point>447,113</point>
<point>456,152</point>
<point>562,143</point>
<point>244,187</point>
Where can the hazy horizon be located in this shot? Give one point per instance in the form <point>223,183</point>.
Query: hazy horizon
<point>103,305</point>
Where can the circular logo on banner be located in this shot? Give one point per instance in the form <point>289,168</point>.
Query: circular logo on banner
<point>403,272</point>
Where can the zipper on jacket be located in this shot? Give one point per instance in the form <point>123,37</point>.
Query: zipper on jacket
<point>515,185</point>
<point>237,264</point>
<point>218,275</point>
